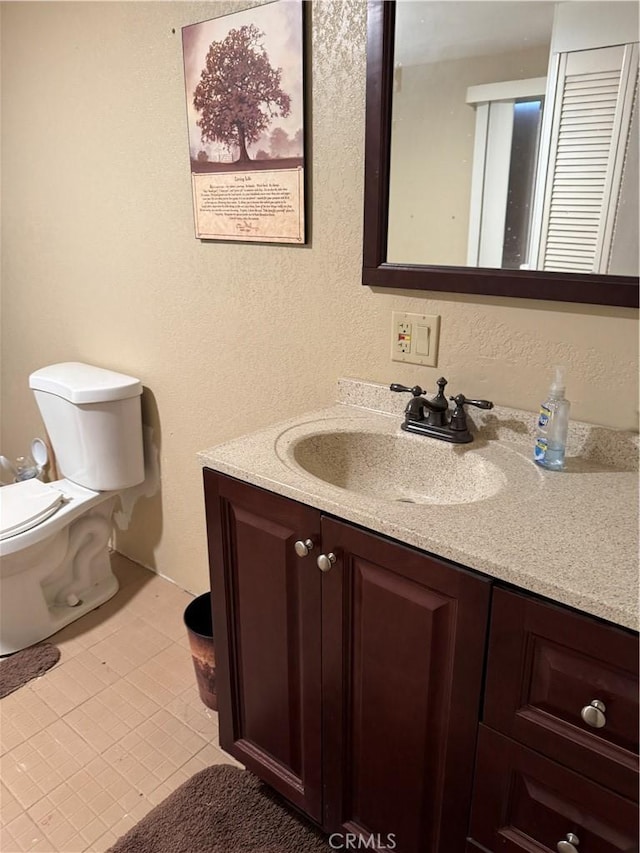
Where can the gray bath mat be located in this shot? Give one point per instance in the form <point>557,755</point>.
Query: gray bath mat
<point>222,810</point>
<point>19,668</point>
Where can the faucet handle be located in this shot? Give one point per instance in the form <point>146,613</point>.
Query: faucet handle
<point>459,417</point>
<point>460,400</point>
<point>416,390</point>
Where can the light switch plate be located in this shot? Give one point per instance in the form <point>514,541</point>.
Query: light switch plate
<point>415,338</point>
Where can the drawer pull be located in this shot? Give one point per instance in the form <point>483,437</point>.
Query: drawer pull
<point>303,546</point>
<point>325,561</point>
<point>568,844</point>
<point>593,714</point>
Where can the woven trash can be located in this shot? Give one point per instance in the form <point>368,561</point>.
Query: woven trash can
<point>199,624</point>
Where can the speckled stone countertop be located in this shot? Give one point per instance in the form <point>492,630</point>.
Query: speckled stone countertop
<point>571,536</point>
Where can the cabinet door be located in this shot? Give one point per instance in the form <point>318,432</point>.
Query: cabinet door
<point>526,802</point>
<point>266,610</point>
<point>403,639</point>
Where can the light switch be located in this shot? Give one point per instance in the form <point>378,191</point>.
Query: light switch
<point>423,336</point>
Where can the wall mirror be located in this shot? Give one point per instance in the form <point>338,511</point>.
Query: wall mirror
<point>501,151</point>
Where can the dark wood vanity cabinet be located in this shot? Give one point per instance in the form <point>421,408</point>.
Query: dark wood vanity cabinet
<point>558,746</point>
<point>527,802</point>
<point>267,618</point>
<point>354,692</point>
<point>402,657</point>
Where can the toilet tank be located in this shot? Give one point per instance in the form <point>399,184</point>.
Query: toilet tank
<point>93,418</point>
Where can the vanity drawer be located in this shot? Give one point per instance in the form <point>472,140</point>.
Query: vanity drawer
<point>525,802</point>
<point>545,665</point>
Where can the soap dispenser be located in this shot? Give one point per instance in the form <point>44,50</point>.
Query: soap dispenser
<point>553,425</point>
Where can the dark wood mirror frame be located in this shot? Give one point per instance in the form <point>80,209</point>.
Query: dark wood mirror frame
<point>376,272</point>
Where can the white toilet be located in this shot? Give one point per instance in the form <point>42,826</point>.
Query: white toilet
<point>54,555</point>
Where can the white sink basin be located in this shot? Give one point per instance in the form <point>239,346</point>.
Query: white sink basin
<point>399,468</point>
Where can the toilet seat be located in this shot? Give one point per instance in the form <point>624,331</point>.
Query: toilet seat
<point>26,504</point>
<point>75,501</point>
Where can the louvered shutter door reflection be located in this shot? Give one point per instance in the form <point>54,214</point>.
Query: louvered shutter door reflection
<point>590,127</point>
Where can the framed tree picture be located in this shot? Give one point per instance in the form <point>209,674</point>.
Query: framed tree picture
<point>245,112</point>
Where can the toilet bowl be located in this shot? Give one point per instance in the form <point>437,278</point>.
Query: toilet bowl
<point>54,537</point>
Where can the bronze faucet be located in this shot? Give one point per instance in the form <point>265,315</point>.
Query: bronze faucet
<point>432,417</point>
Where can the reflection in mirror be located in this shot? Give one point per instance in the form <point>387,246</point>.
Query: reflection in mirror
<point>514,139</point>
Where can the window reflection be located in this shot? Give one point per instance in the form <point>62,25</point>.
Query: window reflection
<point>527,121</point>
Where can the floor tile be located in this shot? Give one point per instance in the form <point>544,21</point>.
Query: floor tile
<point>129,573</point>
<point>76,680</point>
<point>116,726</point>
<point>162,604</point>
<point>190,708</point>
<point>90,629</point>
<point>21,834</point>
<point>130,647</point>
<point>207,756</point>
<point>166,675</point>
<point>86,805</point>
<point>10,808</point>
<point>110,715</point>
<point>39,765</point>
<point>149,755</point>
<point>22,714</point>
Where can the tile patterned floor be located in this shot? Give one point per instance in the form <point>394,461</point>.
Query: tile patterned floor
<point>90,747</point>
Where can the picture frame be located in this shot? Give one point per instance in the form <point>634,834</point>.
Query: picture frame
<point>244,86</point>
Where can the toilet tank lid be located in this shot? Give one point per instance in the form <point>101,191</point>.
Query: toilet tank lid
<point>84,383</point>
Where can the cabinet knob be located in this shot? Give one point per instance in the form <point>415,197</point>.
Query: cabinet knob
<point>568,843</point>
<point>593,714</point>
<point>303,546</point>
<point>325,561</point>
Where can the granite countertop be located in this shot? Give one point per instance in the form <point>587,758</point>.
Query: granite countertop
<point>571,536</point>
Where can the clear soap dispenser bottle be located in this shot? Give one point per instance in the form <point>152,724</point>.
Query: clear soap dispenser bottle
<point>552,426</point>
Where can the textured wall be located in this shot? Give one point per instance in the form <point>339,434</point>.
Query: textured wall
<point>100,263</point>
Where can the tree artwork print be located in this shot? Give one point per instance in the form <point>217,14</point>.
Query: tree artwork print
<point>239,91</point>
<point>244,93</point>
